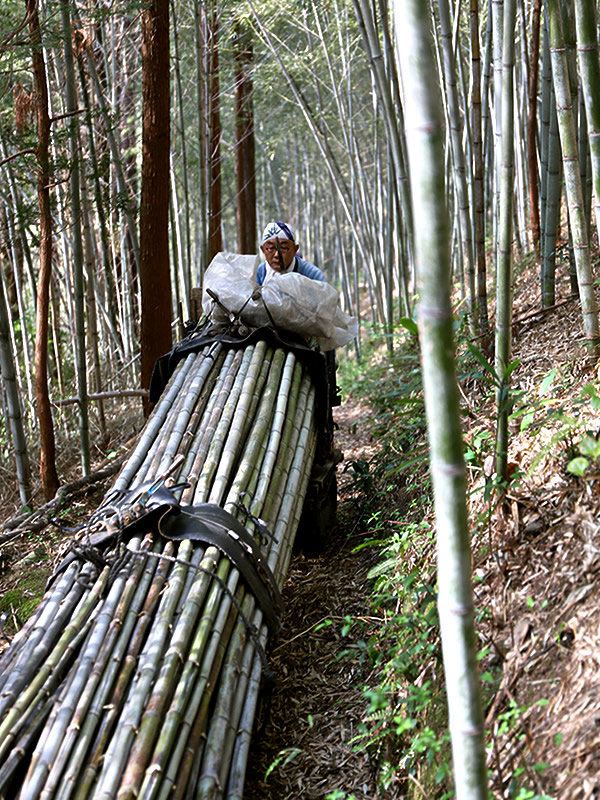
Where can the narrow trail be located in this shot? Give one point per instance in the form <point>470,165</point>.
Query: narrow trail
<point>316,702</point>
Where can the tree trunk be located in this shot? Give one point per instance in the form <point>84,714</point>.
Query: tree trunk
<point>589,67</point>
<point>215,238</point>
<point>48,472</point>
<point>76,239</point>
<point>534,208</point>
<point>504,268</point>
<point>245,170</point>
<point>477,192</point>
<point>13,403</point>
<point>424,134</point>
<point>458,156</point>
<point>155,325</point>
<point>568,142</point>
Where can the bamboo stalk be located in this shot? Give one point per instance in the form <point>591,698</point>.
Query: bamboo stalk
<point>283,463</point>
<point>27,650</point>
<point>35,688</point>
<point>237,773</point>
<point>231,386</point>
<point>202,378</point>
<point>119,689</point>
<point>250,366</point>
<point>242,689</point>
<point>122,621</point>
<point>190,717</point>
<point>257,442</point>
<point>26,726</point>
<point>164,687</point>
<point>94,698</point>
<point>244,727</point>
<point>119,746</point>
<point>60,738</point>
<point>155,422</point>
<point>282,419</point>
<point>213,763</point>
<point>209,410</point>
<point>165,669</point>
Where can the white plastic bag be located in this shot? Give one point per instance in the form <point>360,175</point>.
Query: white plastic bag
<point>233,279</point>
<point>296,303</point>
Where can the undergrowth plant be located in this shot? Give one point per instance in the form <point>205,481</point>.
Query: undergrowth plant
<point>404,726</point>
<point>404,722</point>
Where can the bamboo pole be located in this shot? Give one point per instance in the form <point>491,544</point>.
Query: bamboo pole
<point>568,141</point>
<point>424,126</point>
<point>149,667</point>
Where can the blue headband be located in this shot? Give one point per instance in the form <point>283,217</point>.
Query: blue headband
<point>278,230</point>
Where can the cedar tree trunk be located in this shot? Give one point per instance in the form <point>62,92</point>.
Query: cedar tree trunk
<point>48,473</point>
<point>155,325</point>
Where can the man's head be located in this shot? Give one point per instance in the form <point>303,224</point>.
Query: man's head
<point>279,236</point>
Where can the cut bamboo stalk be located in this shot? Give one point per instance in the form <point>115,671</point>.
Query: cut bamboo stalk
<point>120,745</point>
<point>232,385</point>
<point>205,417</point>
<point>242,689</point>
<point>214,766</point>
<point>94,698</point>
<point>239,760</point>
<point>155,422</point>
<point>109,653</point>
<point>257,442</point>
<point>118,690</point>
<point>164,687</point>
<point>35,687</point>
<point>190,397</point>
<point>154,693</point>
<point>284,415</point>
<point>241,418</point>
<point>27,652</point>
<point>169,778</point>
<point>250,366</point>
<point>241,746</point>
<point>42,781</point>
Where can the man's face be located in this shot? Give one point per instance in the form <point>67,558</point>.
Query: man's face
<point>288,251</point>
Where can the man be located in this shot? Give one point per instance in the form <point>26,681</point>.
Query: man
<point>278,239</point>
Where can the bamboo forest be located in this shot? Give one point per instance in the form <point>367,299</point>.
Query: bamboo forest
<point>300,439</point>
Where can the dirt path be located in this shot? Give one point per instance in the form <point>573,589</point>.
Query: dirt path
<point>316,704</point>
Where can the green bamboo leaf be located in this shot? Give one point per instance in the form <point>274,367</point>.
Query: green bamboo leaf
<point>284,757</point>
<point>527,420</point>
<point>406,464</point>
<point>589,390</point>
<point>511,368</point>
<point>409,324</point>
<point>383,568</point>
<point>478,354</point>
<point>547,382</point>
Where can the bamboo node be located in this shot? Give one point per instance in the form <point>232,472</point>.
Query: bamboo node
<point>442,468</point>
<point>434,312</point>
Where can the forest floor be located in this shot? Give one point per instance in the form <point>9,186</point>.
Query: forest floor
<point>536,563</point>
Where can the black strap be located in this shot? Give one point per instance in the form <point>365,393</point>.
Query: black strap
<point>212,525</point>
<point>126,513</point>
<point>229,337</point>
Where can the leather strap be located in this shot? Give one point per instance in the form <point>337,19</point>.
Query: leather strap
<point>210,524</point>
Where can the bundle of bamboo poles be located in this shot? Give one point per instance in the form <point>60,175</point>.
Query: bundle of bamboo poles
<point>140,677</point>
